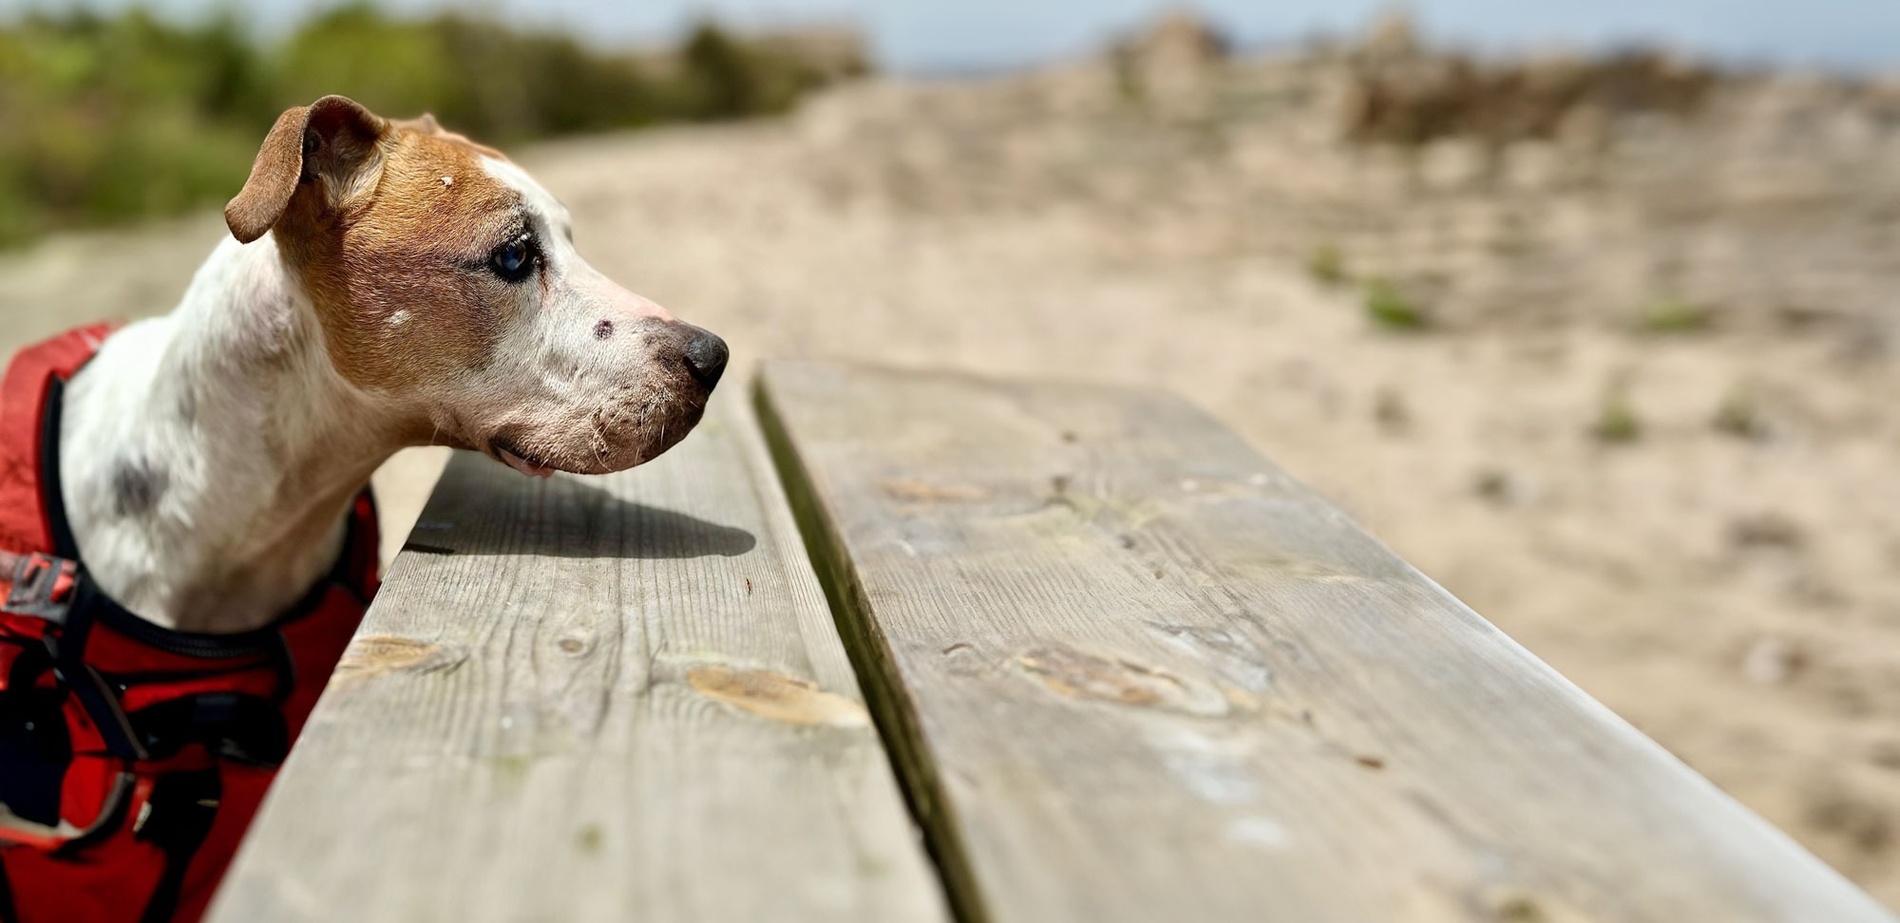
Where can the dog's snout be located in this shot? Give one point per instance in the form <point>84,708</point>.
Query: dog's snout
<point>706,355</point>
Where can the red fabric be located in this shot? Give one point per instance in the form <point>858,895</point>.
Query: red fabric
<point>111,879</point>
<point>23,525</point>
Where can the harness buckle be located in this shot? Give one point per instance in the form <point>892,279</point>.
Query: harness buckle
<point>40,585</point>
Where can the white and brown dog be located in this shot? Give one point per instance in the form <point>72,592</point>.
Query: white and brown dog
<point>388,284</point>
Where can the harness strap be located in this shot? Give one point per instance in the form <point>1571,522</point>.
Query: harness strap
<point>244,728</point>
<point>69,654</point>
<point>7,913</point>
<point>178,818</point>
<point>52,502</point>
<point>35,747</point>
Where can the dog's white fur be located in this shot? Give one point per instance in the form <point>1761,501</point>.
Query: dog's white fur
<point>208,458</point>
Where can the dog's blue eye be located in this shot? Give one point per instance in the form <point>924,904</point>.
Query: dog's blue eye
<point>513,261</point>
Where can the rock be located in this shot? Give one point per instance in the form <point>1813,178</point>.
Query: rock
<point>1173,65</point>
<point>1764,530</point>
<point>1393,36</point>
<point>1771,661</point>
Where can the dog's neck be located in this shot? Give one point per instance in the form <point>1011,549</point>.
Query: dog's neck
<point>208,459</point>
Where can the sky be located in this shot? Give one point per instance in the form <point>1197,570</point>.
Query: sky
<point>937,36</point>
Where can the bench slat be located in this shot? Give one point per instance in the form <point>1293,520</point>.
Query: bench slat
<point>1133,671</point>
<point>613,699</point>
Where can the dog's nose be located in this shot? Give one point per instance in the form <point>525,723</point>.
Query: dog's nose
<point>706,355</point>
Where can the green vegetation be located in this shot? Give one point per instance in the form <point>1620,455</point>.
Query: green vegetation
<point>1672,315</point>
<point>1617,422</point>
<point>1390,309</point>
<point>110,118</point>
<point>1327,265</point>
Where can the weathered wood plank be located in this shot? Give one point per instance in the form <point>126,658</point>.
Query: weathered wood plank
<point>593,700</point>
<point>1133,671</point>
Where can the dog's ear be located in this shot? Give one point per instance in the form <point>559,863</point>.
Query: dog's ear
<point>333,143</point>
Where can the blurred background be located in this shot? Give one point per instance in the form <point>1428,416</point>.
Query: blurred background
<point>1589,310</point>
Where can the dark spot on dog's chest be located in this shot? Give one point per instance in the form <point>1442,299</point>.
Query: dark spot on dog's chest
<point>187,406</point>
<point>136,485</point>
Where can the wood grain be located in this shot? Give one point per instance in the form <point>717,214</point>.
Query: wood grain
<point>593,700</point>
<point>1134,672</point>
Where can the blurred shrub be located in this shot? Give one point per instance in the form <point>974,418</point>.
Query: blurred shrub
<point>1739,416</point>
<point>1389,308</point>
<point>1404,93</point>
<point>1672,315</point>
<point>1326,264</point>
<point>109,118</point>
<point>1616,420</point>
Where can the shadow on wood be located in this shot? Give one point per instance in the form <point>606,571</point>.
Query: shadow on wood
<point>577,520</point>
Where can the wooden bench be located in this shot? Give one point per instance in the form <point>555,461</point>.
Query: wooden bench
<point>1124,667</point>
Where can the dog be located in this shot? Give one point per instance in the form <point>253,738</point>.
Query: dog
<point>186,538</point>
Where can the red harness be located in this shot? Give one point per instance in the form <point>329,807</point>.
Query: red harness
<point>132,757</point>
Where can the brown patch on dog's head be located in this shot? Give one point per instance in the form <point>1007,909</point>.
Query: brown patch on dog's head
<point>383,221</point>
<point>396,230</point>
<point>399,277</point>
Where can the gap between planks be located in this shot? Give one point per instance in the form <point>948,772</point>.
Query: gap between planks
<point>892,710</point>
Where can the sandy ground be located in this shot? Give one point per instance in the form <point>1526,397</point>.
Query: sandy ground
<point>1726,579</point>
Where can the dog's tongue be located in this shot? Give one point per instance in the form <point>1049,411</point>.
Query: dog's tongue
<point>523,465</point>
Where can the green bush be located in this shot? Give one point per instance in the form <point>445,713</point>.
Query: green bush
<point>1326,264</point>
<point>1617,421</point>
<point>113,118</point>
<point>1672,315</point>
<point>1389,308</point>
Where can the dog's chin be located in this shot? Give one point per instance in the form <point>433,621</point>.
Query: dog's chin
<point>503,450</point>
<point>541,459</point>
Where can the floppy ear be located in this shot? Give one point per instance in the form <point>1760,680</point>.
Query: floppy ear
<point>332,141</point>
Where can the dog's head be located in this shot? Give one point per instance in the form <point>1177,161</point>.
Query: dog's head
<point>446,283</point>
